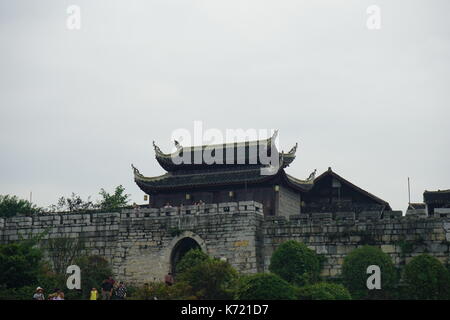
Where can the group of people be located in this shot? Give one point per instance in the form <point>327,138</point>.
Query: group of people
<point>56,295</point>
<point>196,203</point>
<point>110,290</point>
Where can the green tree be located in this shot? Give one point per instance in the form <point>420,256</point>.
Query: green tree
<point>112,202</point>
<point>22,269</point>
<point>425,277</point>
<point>212,279</point>
<point>74,203</point>
<point>323,291</point>
<point>10,206</point>
<point>354,273</point>
<point>296,263</point>
<point>94,269</point>
<point>20,264</point>
<point>192,258</point>
<point>264,286</point>
<point>63,252</point>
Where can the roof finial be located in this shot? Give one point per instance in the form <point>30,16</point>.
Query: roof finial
<point>294,148</point>
<point>135,170</point>
<point>312,176</point>
<point>178,145</point>
<point>157,149</point>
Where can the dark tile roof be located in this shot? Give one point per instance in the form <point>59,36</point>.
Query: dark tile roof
<point>438,197</point>
<point>354,187</point>
<point>243,153</point>
<point>193,180</point>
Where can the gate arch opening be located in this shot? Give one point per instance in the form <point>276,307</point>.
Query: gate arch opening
<point>180,249</point>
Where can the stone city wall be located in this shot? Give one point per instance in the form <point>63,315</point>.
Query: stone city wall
<point>140,243</point>
<point>336,235</point>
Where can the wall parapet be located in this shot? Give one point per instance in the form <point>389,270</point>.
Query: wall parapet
<point>108,218</point>
<point>350,218</point>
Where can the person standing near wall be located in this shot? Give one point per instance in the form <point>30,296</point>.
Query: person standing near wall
<point>121,291</point>
<point>94,294</point>
<point>39,295</point>
<point>168,279</point>
<point>107,288</point>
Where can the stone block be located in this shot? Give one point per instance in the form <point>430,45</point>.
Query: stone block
<point>369,215</point>
<point>442,211</point>
<point>392,214</point>
<point>322,217</point>
<point>168,212</point>
<point>388,248</point>
<point>191,210</point>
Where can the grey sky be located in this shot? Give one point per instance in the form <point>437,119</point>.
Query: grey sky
<point>78,107</point>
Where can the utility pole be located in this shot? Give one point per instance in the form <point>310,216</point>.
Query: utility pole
<point>409,193</point>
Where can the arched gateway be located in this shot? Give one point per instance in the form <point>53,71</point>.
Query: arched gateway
<point>181,245</point>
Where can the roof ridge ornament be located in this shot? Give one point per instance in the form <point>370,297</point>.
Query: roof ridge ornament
<point>178,145</point>
<point>294,148</point>
<point>136,171</point>
<point>312,176</point>
<point>157,149</point>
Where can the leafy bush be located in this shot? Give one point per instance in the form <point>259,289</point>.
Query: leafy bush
<point>323,291</point>
<point>212,279</point>
<point>191,259</point>
<point>22,293</point>
<point>20,264</point>
<point>354,273</point>
<point>10,206</point>
<point>94,269</point>
<point>22,269</point>
<point>296,263</point>
<point>425,277</point>
<point>264,286</point>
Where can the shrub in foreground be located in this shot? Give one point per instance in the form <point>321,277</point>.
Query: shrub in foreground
<point>296,263</point>
<point>323,291</point>
<point>264,286</point>
<point>354,273</point>
<point>425,277</point>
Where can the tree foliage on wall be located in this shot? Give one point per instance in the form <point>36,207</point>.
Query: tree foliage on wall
<point>74,203</point>
<point>10,206</point>
<point>112,202</point>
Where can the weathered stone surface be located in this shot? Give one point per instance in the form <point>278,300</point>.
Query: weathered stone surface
<point>140,242</point>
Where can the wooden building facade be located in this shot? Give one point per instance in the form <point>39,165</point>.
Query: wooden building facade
<point>240,172</point>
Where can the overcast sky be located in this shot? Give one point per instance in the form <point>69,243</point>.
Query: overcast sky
<point>77,107</point>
